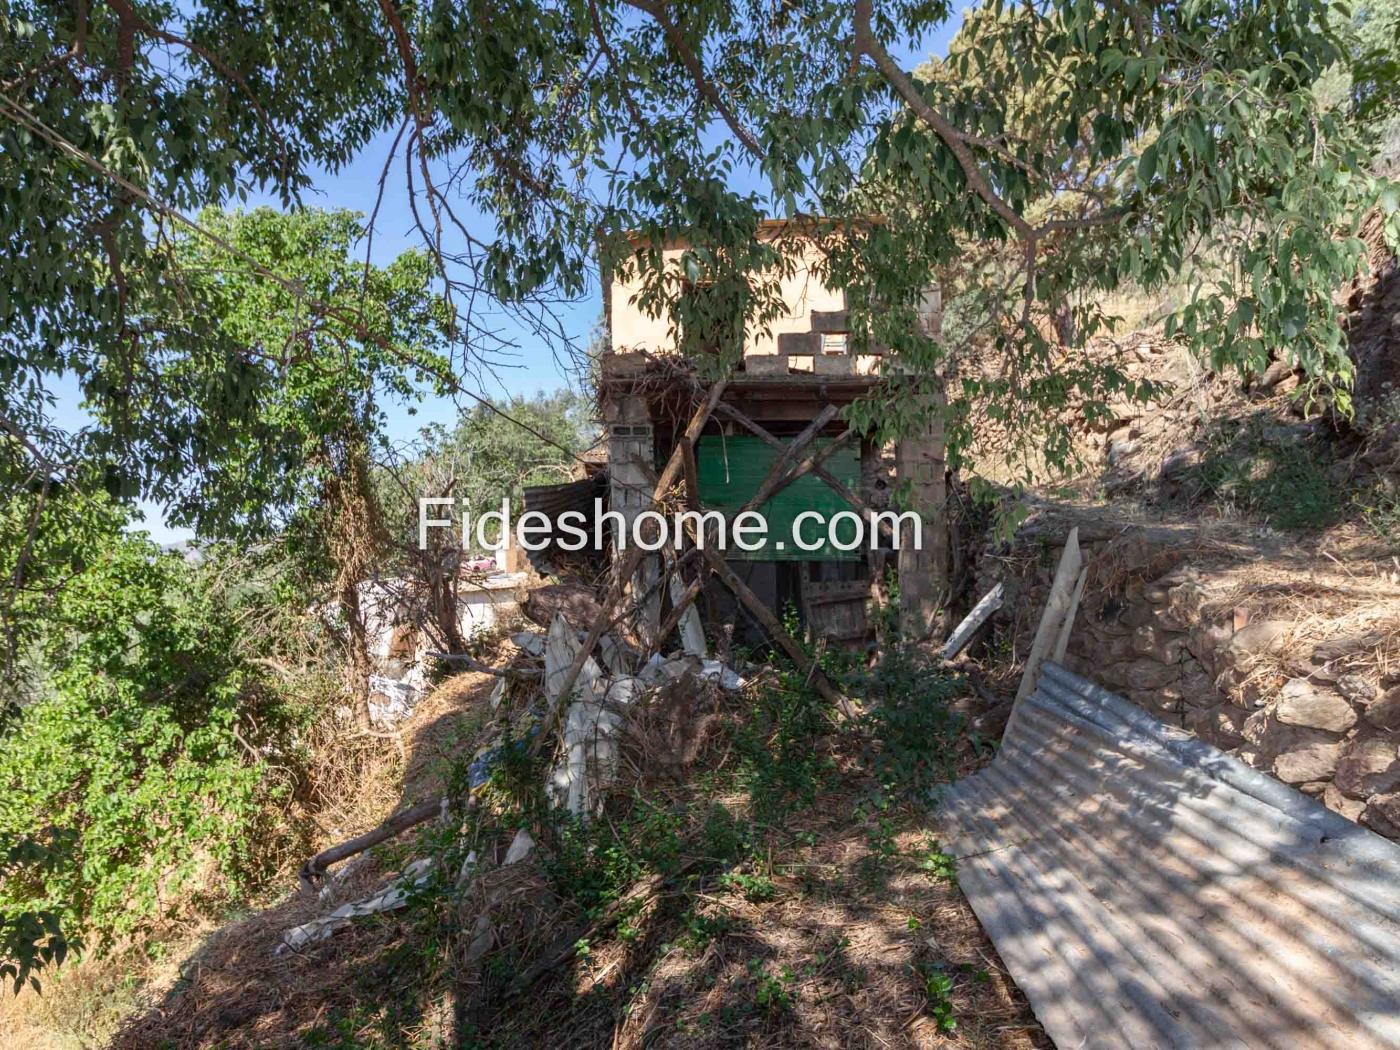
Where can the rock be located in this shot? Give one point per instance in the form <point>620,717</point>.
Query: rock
<point>1261,636</point>
<point>1369,767</point>
<point>1340,804</point>
<point>1248,755</point>
<point>1148,674</point>
<point>1221,726</point>
<point>1255,728</point>
<point>1162,645</point>
<point>1316,760</point>
<point>1138,614</point>
<point>1179,462</point>
<point>1382,814</point>
<point>1120,450</point>
<point>1194,688</point>
<point>1303,703</point>
<point>1313,788</point>
<point>1343,645</point>
<point>1355,688</point>
<point>1205,640</point>
<point>1240,686</point>
<point>1385,712</point>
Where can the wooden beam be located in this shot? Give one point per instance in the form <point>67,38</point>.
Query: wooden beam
<point>633,558</point>
<point>673,466</point>
<point>680,604</point>
<point>776,480</point>
<point>833,482</point>
<point>1052,620</point>
<point>771,624</point>
<point>981,613</point>
<point>692,475</point>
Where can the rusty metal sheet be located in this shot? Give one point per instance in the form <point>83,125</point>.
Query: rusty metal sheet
<point>1146,890</point>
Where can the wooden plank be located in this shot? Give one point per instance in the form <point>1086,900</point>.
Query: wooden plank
<point>1056,605</point>
<point>776,478</point>
<point>1062,640</point>
<point>980,614</point>
<point>859,504</point>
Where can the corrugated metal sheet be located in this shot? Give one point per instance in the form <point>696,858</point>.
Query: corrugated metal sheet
<point>554,500</point>
<point>1146,890</point>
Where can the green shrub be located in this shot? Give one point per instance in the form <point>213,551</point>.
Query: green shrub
<point>1274,476</point>
<point>132,747</point>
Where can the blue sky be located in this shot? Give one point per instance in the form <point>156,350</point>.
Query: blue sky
<point>533,368</point>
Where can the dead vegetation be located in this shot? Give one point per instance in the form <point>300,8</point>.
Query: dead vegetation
<point>761,873</point>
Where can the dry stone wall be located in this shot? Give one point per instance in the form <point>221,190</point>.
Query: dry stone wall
<point>1294,696</point>
<point>1256,688</point>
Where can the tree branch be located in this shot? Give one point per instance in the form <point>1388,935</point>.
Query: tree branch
<point>656,9</point>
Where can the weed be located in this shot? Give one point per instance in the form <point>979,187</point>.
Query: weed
<point>771,993</point>
<point>1379,509</point>
<point>939,864</point>
<point>1269,475</point>
<point>938,987</point>
<point>754,888</point>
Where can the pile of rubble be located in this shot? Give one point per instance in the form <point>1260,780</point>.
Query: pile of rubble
<point>551,694</point>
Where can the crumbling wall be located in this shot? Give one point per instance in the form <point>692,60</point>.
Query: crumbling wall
<point>1271,673</point>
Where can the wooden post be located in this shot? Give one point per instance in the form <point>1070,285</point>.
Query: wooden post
<point>1062,594</point>
<point>633,558</point>
<point>771,624</point>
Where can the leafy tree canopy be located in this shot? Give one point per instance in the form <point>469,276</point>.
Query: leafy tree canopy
<point>530,137</point>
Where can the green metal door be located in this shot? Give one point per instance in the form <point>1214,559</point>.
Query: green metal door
<point>730,471</point>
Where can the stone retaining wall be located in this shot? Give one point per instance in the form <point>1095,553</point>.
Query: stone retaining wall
<point>1294,697</point>
<point>1253,688</point>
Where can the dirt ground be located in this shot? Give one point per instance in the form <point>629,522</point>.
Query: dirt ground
<point>859,937</point>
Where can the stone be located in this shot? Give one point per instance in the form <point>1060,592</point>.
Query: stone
<point>1260,636</point>
<point>1255,728</point>
<point>1344,645</point>
<point>834,364</point>
<point>1316,760</point>
<point>1302,703</point>
<point>1148,674</point>
<point>1355,688</point>
<point>1205,640</point>
<point>1162,645</point>
<point>1338,803</point>
<point>1248,755</point>
<point>1313,788</point>
<point>1198,688</point>
<point>1382,814</point>
<point>1240,687</point>
<point>1178,463</point>
<point>1120,450</point>
<point>1221,726</point>
<point>1384,713</point>
<point>1369,767</point>
<point>1138,615</point>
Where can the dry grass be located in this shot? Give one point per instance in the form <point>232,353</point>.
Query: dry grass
<point>185,982</point>
<point>835,951</point>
